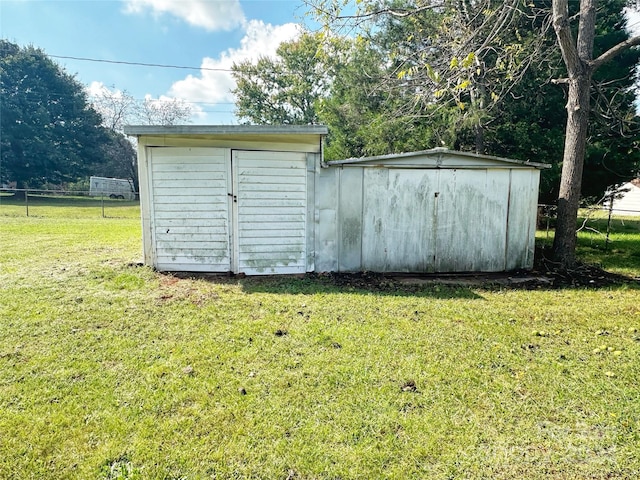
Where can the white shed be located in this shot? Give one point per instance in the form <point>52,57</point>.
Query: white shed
<point>431,211</point>
<point>261,200</point>
<point>228,198</point>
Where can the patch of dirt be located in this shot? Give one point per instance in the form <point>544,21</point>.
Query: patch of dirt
<point>581,275</point>
<point>545,274</point>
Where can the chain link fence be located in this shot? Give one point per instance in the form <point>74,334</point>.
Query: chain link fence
<point>38,202</point>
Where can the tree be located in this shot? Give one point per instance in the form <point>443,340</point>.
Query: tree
<point>466,54</point>
<point>50,133</point>
<point>281,90</point>
<point>578,56</point>
<point>163,111</point>
<point>531,124</point>
<point>119,108</point>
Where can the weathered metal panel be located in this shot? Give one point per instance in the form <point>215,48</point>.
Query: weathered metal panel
<point>190,209</point>
<point>398,220</point>
<point>350,221</point>
<point>523,200</point>
<point>270,234</point>
<point>325,220</point>
<point>313,162</point>
<point>471,220</point>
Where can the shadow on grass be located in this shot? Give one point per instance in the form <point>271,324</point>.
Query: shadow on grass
<point>365,283</point>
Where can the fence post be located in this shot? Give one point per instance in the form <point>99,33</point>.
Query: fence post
<point>26,200</point>
<point>102,201</point>
<point>606,242</point>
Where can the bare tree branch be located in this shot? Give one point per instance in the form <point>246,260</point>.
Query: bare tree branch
<point>613,51</point>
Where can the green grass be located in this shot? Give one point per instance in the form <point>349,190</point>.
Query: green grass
<point>67,207</point>
<point>110,370</point>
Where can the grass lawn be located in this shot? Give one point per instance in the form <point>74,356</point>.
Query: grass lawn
<point>109,370</point>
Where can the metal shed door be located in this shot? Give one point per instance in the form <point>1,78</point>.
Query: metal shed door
<point>270,191</point>
<point>190,209</point>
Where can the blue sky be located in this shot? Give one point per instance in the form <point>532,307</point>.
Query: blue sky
<point>196,33</point>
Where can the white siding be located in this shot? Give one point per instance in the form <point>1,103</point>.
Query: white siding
<point>628,201</point>
<point>398,227</point>
<point>471,220</point>
<point>412,219</point>
<point>270,212</point>
<point>190,209</point>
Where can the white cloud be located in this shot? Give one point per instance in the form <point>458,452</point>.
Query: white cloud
<point>215,86</point>
<point>218,15</point>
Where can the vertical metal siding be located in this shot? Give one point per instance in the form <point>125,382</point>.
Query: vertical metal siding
<point>190,209</point>
<point>271,190</point>
<point>350,200</point>
<point>471,220</point>
<point>327,187</point>
<point>398,210</point>
<point>413,219</point>
<point>523,200</point>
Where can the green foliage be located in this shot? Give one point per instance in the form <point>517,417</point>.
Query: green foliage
<point>49,132</point>
<point>284,90</point>
<point>449,76</point>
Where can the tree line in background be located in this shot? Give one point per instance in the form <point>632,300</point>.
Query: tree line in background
<point>53,133</point>
<point>490,76</point>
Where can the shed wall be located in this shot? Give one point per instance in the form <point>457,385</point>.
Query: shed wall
<point>412,219</point>
<point>217,209</point>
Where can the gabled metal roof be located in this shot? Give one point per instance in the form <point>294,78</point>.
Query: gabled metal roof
<point>437,154</point>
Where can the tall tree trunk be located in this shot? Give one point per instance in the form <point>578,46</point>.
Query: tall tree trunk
<point>578,106</point>
<point>577,58</point>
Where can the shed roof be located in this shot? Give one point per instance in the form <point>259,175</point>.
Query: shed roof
<point>280,137</point>
<point>438,158</point>
<point>225,130</point>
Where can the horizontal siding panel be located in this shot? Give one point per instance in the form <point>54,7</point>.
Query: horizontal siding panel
<point>205,179</point>
<point>262,219</point>
<point>183,265</point>
<point>193,207</point>
<point>279,248</point>
<point>273,203</point>
<point>274,212</point>
<point>274,258</point>
<point>215,203</point>
<point>272,195</point>
<point>208,215</point>
<point>271,181</point>
<point>190,223</point>
<point>188,245</point>
<point>279,270</point>
<point>207,163</point>
<point>191,237</point>
<point>275,232</point>
<point>270,187</point>
<point>274,172</point>
<point>277,163</point>
<point>211,230</point>
<point>216,187</point>
<point>201,255</point>
<point>261,239</point>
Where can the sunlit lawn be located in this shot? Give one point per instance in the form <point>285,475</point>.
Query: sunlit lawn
<point>110,370</point>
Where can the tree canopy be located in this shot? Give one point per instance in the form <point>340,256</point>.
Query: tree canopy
<point>468,75</point>
<point>50,133</point>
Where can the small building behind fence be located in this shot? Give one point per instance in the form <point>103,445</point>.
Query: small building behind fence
<point>626,199</point>
<point>111,187</point>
